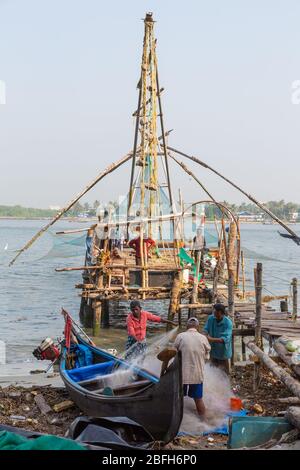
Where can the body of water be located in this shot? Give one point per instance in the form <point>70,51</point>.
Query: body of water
<point>32,293</point>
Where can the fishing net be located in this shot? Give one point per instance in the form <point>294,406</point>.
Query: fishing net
<point>66,246</point>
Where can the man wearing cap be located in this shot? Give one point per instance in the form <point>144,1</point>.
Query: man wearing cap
<point>136,329</point>
<point>195,349</point>
<point>218,330</point>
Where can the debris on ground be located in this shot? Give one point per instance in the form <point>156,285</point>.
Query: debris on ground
<point>22,407</point>
<point>34,409</point>
<point>64,405</point>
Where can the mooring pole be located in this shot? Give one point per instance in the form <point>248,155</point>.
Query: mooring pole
<point>295,297</point>
<point>258,338</point>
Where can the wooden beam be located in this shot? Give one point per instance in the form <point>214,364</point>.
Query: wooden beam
<point>292,384</point>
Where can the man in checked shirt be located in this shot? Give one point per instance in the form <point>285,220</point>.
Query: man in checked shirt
<point>137,327</point>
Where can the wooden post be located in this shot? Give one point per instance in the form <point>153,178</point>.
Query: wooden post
<point>243,275</point>
<point>295,297</point>
<point>105,314</point>
<point>175,298</point>
<point>97,304</point>
<point>231,307</point>
<point>231,295</point>
<point>97,317</point>
<point>194,297</point>
<point>286,378</point>
<point>258,289</point>
<point>258,338</point>
<point>231,247</point>
<point>225,244</point>
<point>238,254</point>
<point>243,349</point>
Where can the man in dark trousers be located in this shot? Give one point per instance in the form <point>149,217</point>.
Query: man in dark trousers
<point>218,330</point>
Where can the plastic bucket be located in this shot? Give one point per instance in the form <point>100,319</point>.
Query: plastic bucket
<point>235,404</point>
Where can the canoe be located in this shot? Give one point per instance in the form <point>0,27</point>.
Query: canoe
<point>154,402</point>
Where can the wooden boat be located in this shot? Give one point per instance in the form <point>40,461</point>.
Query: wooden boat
<point>291,237</point>
<point>154,402</point>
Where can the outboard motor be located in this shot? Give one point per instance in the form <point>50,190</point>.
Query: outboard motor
<point>47,350</point>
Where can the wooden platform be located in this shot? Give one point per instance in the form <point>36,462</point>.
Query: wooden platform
<point>274,323</point>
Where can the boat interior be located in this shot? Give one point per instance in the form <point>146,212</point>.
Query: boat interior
<point>110,378</point>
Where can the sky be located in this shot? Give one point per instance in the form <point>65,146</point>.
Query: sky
<point>70,69</point>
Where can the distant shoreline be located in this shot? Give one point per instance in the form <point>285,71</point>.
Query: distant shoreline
<point>94,219</point>
<point>70,219</point>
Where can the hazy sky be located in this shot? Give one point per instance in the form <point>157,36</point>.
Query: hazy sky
<point>71,68</point>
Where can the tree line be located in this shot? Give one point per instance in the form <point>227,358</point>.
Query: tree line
<point>281,209</point>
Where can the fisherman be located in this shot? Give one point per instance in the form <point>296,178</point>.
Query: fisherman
<point>148,244</point>
<point>195,349</point>
<point>136,328</point>
<point>89,246</point>
<point>218,330</point>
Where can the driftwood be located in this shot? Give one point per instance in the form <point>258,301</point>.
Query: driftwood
<point>251,198</point>
<point>293,416</point>
<point>292,384</point>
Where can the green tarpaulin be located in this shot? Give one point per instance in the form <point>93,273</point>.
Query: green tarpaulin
<point>12,441</point>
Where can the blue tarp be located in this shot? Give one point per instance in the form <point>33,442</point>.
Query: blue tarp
<point>221,430</point>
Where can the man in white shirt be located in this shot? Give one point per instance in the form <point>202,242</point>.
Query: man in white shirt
<point>195,350</point>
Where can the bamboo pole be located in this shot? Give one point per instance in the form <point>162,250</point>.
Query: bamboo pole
<point>175,297</point>
<point>164,144</point>
<point>225,246</point>
<point>216,226</point>
<point>238,254</point>
<point>231,296</point>
<point>101,175</point>
<point>136,133</point>
<point>295,297</point>
<point>243,275</point>
<point>231,246</point>
<point>292,384</point>
<point>194,297</point>
<point>251,198</point>
<point>190,173</point>
<point>107,171</point>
